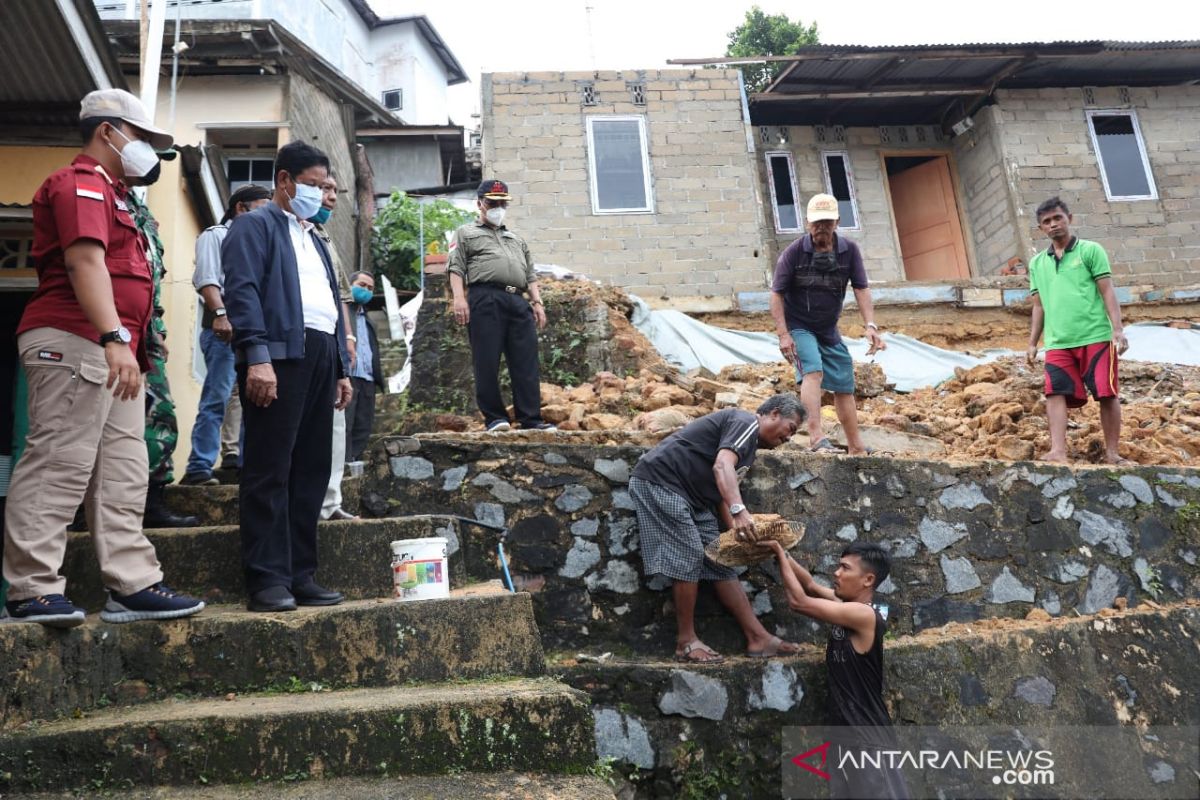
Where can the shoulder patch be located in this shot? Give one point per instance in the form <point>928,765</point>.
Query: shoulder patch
<point>89,186</point>
<point>453,244</point>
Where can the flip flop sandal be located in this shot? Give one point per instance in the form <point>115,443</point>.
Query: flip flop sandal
<point>825,446</point>
<point>697,646</point>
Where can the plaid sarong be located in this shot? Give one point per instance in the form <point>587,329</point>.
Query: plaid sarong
<point>673,535</point>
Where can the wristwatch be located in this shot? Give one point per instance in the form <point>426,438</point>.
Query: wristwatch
<point>872,325</point>
<point>120,335</point>
<point>219,312</point>
<point>736,509</point>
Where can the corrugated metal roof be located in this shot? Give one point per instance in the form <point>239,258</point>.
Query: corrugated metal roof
<point>52,53</point>
<point>919,84</point>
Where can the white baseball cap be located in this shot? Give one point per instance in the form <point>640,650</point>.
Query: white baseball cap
<point>122,105</point>
<point>822,206</point>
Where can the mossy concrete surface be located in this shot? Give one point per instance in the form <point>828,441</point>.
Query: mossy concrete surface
<point>354,556</point>
<point>470,786</point>
<point>524,725</point>
<point>706,731</point>
<point>218,505</point>
<point>226,649</point>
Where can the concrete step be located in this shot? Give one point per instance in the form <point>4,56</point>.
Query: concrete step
<point>354,556</point>
<point>524,725</point>
<point>467,786</point>
<point>227,649</point>
<point>218,505</point>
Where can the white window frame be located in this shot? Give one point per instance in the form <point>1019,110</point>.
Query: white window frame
<point>1137,132</point>
<point>845,156</point>
<point>252,157</point>
<point>767,156</point>
<point>383,98</point>
<point>593,183</point>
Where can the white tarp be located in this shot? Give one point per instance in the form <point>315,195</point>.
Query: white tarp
<point>1153,342</point>
<point>689,344</point>
<point>402,321</point>
<point>909,363</point>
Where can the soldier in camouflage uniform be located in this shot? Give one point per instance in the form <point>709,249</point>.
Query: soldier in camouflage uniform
<point>162,430</point>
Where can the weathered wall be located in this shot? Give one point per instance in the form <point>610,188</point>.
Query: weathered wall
<point>716,731</point>
<point>703,236</point>
<point>405,163</point>
<point>1045,135</point>
<point>969,541</point>
<point>987,195</point>
<point>317,118</point>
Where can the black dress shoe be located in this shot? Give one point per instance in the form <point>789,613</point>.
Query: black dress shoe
<point>273,598</point>
<point>313,594</point>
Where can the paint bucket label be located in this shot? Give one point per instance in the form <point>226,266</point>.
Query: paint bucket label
<point>420,570</point>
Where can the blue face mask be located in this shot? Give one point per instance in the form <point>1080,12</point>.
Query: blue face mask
<point>306,201</point>
<point>322,216</point>
<point>361,294</point>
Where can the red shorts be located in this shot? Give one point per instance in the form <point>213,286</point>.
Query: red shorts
<point>1078,370</point>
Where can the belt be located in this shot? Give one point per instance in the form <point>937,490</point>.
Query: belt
<point>502,286</point>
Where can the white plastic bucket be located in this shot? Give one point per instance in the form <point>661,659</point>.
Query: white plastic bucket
<point>420,570</point>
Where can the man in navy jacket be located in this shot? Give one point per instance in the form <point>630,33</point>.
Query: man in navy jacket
<point>292,365</point>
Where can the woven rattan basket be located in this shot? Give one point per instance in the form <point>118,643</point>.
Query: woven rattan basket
<point>728,551</point>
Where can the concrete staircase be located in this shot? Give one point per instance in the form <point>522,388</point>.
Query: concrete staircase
<point>441,698</point>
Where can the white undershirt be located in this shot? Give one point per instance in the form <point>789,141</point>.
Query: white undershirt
<point>320,309</point>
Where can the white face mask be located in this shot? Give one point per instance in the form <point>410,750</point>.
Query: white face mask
<point>138,158</point>
<point>495,216</point>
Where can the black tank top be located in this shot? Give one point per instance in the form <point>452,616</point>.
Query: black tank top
<point>856,682</point>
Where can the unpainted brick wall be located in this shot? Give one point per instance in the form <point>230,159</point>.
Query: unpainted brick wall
<point>876,231</point>
<point>317,118</point>
<point>1045,136</point>
<point>987,195</point>
<point>704,237</point>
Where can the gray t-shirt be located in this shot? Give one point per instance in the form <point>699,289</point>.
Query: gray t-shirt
<point>683,462</point>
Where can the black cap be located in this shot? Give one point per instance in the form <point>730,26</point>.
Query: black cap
<point>494,190</point>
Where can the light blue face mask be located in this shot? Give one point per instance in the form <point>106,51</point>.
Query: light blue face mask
<point>322,216</point>
<point>307,200</point>
<point>361,294</point>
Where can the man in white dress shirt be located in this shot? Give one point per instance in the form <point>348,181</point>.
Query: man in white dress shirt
<point>293,367</point>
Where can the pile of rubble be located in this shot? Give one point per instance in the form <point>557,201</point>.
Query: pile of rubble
<point>995,410</point>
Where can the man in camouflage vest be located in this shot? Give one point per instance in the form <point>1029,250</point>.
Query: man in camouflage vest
<point>162,429</point>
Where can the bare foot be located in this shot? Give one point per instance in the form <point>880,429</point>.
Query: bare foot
<point>1116,460</point>
<point>1055,458</point>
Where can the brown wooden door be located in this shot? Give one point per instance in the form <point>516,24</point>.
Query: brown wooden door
<point>931,240</point>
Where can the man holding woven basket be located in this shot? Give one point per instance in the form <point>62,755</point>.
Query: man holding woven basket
<point>685,491</point>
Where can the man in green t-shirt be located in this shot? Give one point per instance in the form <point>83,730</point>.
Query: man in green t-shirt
<point>1075,305</point>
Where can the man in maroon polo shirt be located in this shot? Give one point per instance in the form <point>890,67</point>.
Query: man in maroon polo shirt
<point>80,343</point>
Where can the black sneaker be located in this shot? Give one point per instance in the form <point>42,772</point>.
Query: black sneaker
<point>198,479</point>
<point>229,461</point>
<point>541,426</point>
<point>498,425</point>
<point>53,610</point>
<point>155,602</point>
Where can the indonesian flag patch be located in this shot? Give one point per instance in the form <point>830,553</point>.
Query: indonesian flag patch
<point>89,186</point>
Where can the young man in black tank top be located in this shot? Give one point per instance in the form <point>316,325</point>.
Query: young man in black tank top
<point>853,658</point>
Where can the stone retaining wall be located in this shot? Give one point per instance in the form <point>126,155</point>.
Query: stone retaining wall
<point>969,541</point>
<point>717,731</point>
